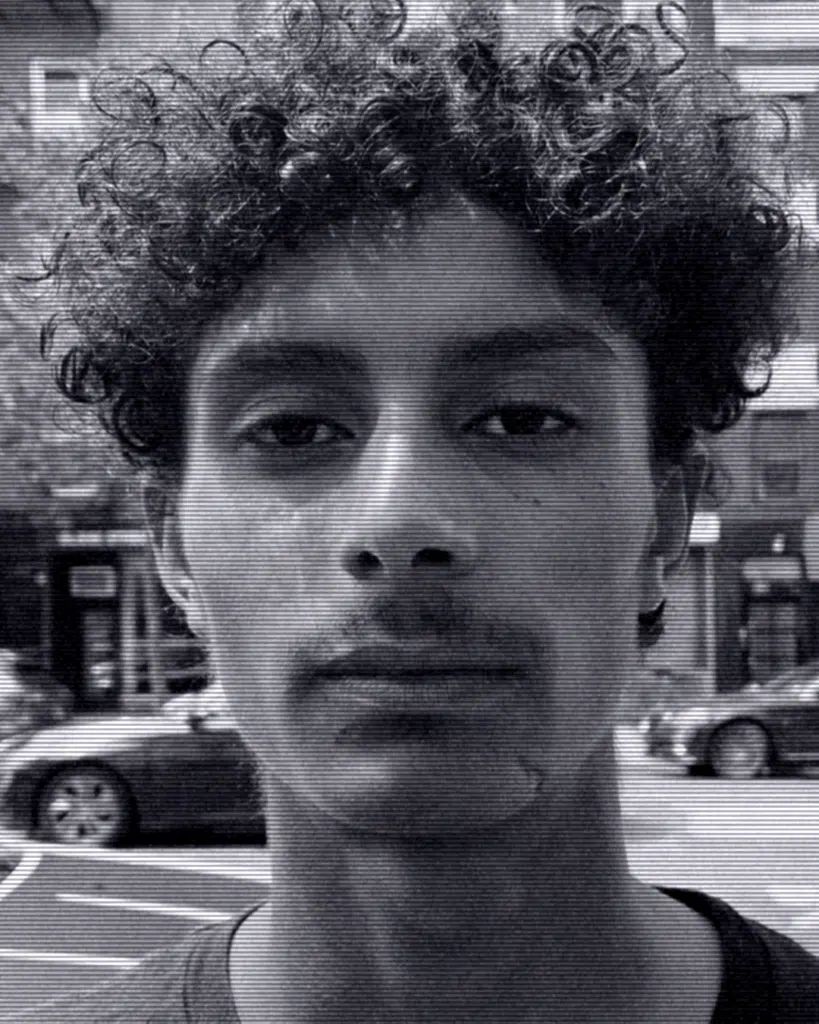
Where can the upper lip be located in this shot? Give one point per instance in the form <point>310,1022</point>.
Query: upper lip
<point>406,661</point>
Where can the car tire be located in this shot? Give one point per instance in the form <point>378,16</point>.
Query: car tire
<point>84,804</point>
<point>740,750</point>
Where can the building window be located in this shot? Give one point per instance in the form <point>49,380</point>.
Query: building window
<point>777,455</point>
<point>59,95</point>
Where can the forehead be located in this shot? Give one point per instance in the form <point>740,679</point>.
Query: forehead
<point>457,272</point>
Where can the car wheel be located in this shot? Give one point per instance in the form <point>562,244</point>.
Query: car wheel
<point>86,805</point>
<point>739,750</point>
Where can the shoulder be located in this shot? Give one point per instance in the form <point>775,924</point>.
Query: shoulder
<point>156,991</point>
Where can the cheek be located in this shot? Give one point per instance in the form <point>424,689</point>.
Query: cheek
<point>257,566</point>
<point>577,550</point>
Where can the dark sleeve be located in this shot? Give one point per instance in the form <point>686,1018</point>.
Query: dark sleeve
<point>794,974</point>
<point>767,978</point>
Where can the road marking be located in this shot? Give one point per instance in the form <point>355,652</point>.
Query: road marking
<point>245,873</point>
<point>120,963</point>
<point>147,907</point>
<point>761,822</point>
<point>29,862</point>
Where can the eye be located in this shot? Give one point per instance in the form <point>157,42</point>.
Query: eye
<point>522,420</point>
<point>295,431</point>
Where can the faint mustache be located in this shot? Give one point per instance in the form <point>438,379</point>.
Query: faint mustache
<point>439,620</point>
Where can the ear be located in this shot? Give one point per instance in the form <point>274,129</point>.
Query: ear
<point>160,512</point>
<point>678,486</point>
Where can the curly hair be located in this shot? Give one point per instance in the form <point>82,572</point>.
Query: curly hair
<point>627,168</point>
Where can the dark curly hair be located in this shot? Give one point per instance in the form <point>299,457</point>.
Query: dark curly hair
<point>625,166</point>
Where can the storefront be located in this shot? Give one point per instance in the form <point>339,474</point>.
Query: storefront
<point>766,600</point>
<point>113,637</point>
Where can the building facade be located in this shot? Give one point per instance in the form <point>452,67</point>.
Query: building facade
<point>758,611</point>
<point>77,583</point>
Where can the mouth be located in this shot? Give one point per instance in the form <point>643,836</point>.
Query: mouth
<point>420,678</point>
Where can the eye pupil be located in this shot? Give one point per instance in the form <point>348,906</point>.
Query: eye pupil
<point>295,430</point>
<point>522,421</point>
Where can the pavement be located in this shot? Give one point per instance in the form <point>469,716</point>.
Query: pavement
<point>74,917</point>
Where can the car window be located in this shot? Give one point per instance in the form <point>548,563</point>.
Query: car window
<point>795,678</point>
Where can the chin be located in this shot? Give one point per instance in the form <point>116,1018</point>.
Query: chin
<point>404,791</point>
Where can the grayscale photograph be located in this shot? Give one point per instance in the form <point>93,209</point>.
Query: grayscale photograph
<point>409,512</point>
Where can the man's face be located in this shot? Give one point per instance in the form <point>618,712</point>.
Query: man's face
<point>416,499</point>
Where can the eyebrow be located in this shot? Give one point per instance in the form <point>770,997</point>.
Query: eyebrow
<point>516,341</point>
<point>263,355</point>
<point>266,355</point>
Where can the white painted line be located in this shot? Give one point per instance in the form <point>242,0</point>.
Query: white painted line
<point>119,963</point>
<point>761,823</point>
<point>146,907</point>
<point>145,859</point>
<point>28,864</point>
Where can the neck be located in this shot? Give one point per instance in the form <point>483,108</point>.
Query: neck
<point>509,918</point>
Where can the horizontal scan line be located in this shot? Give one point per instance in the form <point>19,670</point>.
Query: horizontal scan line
<point>146,907</point>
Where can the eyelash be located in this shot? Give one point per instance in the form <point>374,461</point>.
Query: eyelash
<point>566,424</point>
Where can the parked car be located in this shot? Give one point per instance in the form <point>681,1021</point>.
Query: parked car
<point>746,734</point>
<point>29,697</point>
<point>655,688</point>
<point>99,780</point>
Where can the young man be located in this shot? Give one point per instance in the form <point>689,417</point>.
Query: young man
<point>413,340</point>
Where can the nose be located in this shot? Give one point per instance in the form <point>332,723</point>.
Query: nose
<point>413,516</point>
<point>402,547</point>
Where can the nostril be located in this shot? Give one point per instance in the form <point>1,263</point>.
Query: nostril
<point>431,557</point>
<point>366,561</point>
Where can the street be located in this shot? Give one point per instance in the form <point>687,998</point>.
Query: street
<point>75,917</point>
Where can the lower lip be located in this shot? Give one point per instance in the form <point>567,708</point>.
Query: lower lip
<point>424,692</point>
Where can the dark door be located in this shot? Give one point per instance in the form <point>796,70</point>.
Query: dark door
<point>773,627</point>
